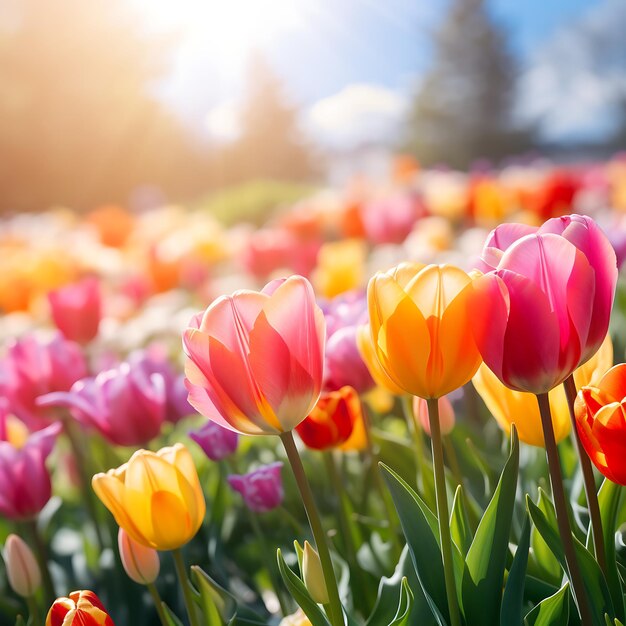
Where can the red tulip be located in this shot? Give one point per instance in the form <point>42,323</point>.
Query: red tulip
<point>82,608</point>
<point>332,420</point>
<point>76,309</point>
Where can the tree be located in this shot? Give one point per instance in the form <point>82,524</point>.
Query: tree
<point>78,122</point>
<point>270,144</point>
<point>462,110</point>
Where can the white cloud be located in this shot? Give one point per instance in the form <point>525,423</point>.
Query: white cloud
<point>359,114</point>
<point>575,82</point>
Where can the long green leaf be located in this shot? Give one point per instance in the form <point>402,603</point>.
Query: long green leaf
<point>553,611</point>
<point>486,558</point>
<point>513,599</point>
<point>593,579</point>
<point>459,523</point>
<point>422,539</point>
<point>403,613</point>
<point>300,594</point>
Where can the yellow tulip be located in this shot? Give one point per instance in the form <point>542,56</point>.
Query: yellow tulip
<point>155,497</point>
<point>520,408</point>
<point>340,267</point>
<point>421,329</point>
<point>368,354</point>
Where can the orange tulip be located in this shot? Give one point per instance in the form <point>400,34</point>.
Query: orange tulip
<point>601,423</point>
<point>421,329</point>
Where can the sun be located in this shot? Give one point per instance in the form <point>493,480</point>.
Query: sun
<point>232,28</point>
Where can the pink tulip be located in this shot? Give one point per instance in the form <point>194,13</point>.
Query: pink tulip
<point>534,319</point>
<point>343,365</point>
<point>391,219</point>
<point>216,441</point>
<point>126,405</point>
<point>76,309</point>
<point>33,367</point>
<point>262,489</point>
<point>25,486</point>
<point>154,361</point>
<point>587,236</point>
<point>255,359</point>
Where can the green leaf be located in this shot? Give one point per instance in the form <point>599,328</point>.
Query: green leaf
<point>553,611</point>
<point>300,594</point>
<point>513,599</point>
<point>609,498</point>
<point>403,613</point>
<point>459,523</point>
<point>421,532</point>
<point>212,604</point>
<point>486,558</point>
<point>170,616</point>
<point>593,579</point>
<point>545,559</point>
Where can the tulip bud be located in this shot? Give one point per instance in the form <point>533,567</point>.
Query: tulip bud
<point>141,563</point>
<point>82,608</point>
<point>313,574</point>
<point>22,569</point>
<point>446,414</point>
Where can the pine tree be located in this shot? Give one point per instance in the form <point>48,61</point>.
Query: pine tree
<point>270,144</point>
<point>462,111</point>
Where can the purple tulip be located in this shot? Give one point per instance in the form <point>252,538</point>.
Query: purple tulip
<point>262,489</point>
<point>33,367</point>
<point>126,405</point>
<point>216,441</point>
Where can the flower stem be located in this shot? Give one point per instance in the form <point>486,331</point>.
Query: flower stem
<point>335,610</point>
<point>560,506</point>
<point>158,603</point>
<point>33,610</point>
<point>588,478</point>
<point>442,511</point>
<point>183,580</point>
<point>418,443</point>
<point>41,552</point>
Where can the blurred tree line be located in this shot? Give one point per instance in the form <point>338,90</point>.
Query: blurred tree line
<point>80,124</point>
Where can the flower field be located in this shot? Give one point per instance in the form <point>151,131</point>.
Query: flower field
<point>397,403</point>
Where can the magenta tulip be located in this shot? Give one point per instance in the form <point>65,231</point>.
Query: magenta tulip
<point>216,441</point>
<point>126,405</point>
<point>33,367</point>
<point>534,319</point>
<point>76,309</point>
<point>262,489</point>
<point>25,485</point>
<point>255,359</point>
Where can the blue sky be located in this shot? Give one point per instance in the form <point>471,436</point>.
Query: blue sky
<point>324,50</point>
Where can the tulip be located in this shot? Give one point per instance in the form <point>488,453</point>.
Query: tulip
<point>520,408</point>
<point>25,485</point>
<point>141,564</point>
<point>216,441</point>
<point>154,361</point>
<point>312,574</point>
<point>583,233</point>
<point>446,414</point>
<point>368,354</point>
<point>76,310</point>
<point>421,329</point>
<point>255,359</point>
<point>262,489</point>
<point>298,618</point>
<point>21,565</point>
<point>340,267</point>
<point>126,405</point>
<point>33,367</point>
<point>343,364</point>
<point>82,608</point>
<point>332,421</point>
<point>533,316</point>
<point>601,422</point>
<point>155,497</point>
<point>390,220</point>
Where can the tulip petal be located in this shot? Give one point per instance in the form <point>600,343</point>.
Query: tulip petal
<point>171,521</point>
<point>613,383</point>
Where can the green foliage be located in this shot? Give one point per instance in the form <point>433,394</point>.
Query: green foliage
<point>553,611</point>
<point>255,201</point>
